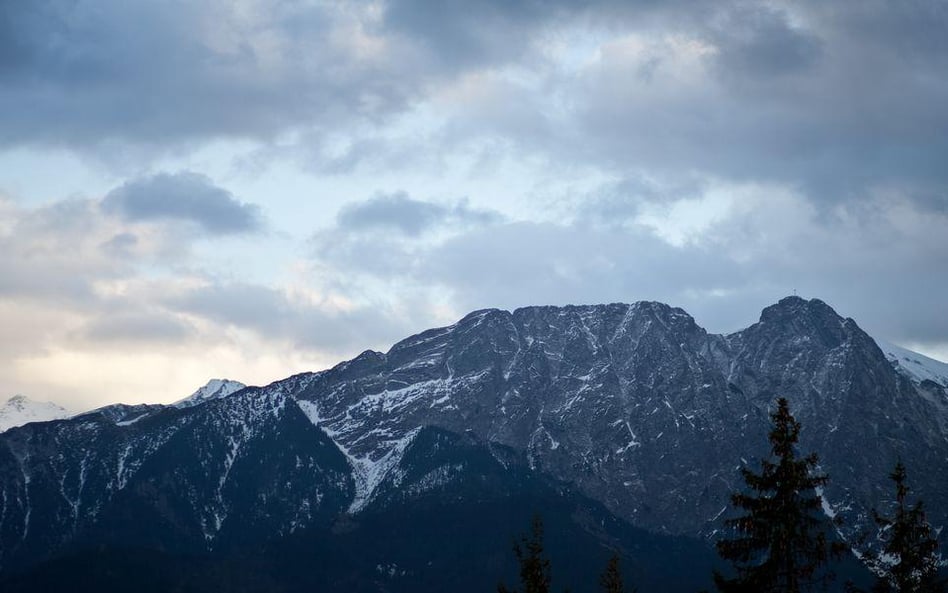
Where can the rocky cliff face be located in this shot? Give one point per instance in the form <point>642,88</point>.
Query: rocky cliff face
<point>642,409</point>
<point>634,406</point>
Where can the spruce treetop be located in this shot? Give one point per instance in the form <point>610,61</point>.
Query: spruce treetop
<point>780,541</point>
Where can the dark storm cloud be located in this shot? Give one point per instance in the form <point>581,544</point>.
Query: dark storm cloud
<point>760,41</point>
<point>183,196</point>
<point>94,74</point>
<point>400,212</point>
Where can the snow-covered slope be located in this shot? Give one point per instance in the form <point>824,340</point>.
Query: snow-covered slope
<point>214,389</point>
<point>917,366</point>
<point>19,410</point>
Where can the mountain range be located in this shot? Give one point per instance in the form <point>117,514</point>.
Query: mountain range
<point>625,425</point>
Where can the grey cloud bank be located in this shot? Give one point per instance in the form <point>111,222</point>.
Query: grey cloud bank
<point>716,156</point>
<point>836,98</point>
<point>91,75</point>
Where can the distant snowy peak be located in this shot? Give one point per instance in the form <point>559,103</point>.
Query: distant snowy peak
<point>215,389</point>
<point>917,367</point>
<point>20,410</point>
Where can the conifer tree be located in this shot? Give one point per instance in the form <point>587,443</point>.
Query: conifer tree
<point>909,559</point>
<point>780,541</point>
<point>534,565</point>
<point>611,579</point>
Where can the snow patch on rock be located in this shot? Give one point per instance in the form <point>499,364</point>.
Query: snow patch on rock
<point>368,471</point>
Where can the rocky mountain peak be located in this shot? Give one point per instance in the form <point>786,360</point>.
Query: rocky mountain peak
<point>213,389</point>
<point>19,410</point>
<point>806,338</point>
<point>811,319</point>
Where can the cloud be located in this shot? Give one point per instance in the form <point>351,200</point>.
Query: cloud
<point>96,308</point>
<point>411,217</point>
<point>154,74</point>
<point>759,41</point>
<point>876,262</point>
<point>52,253</point>
<point>829,100</point>
<point>469,35</point>
<point>184,196</point>
<point>465,34</point>
<point>837,99</point>
<point>713,155</point>
<point>276,314</point>
<point>145,328</point>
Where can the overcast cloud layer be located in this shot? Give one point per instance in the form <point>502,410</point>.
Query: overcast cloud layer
<point>252,189</point>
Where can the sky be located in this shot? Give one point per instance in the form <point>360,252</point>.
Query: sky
<point>250,189</point>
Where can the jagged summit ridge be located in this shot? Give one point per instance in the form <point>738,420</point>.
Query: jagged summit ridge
<point>605,395</point>
<point>806,319</point>
<point>213,389</point>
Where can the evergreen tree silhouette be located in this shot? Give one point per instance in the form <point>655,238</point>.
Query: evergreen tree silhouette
<point>534,565</point>
<point>611,578</point>
<point>909,559</point>
<point>780,542</point>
